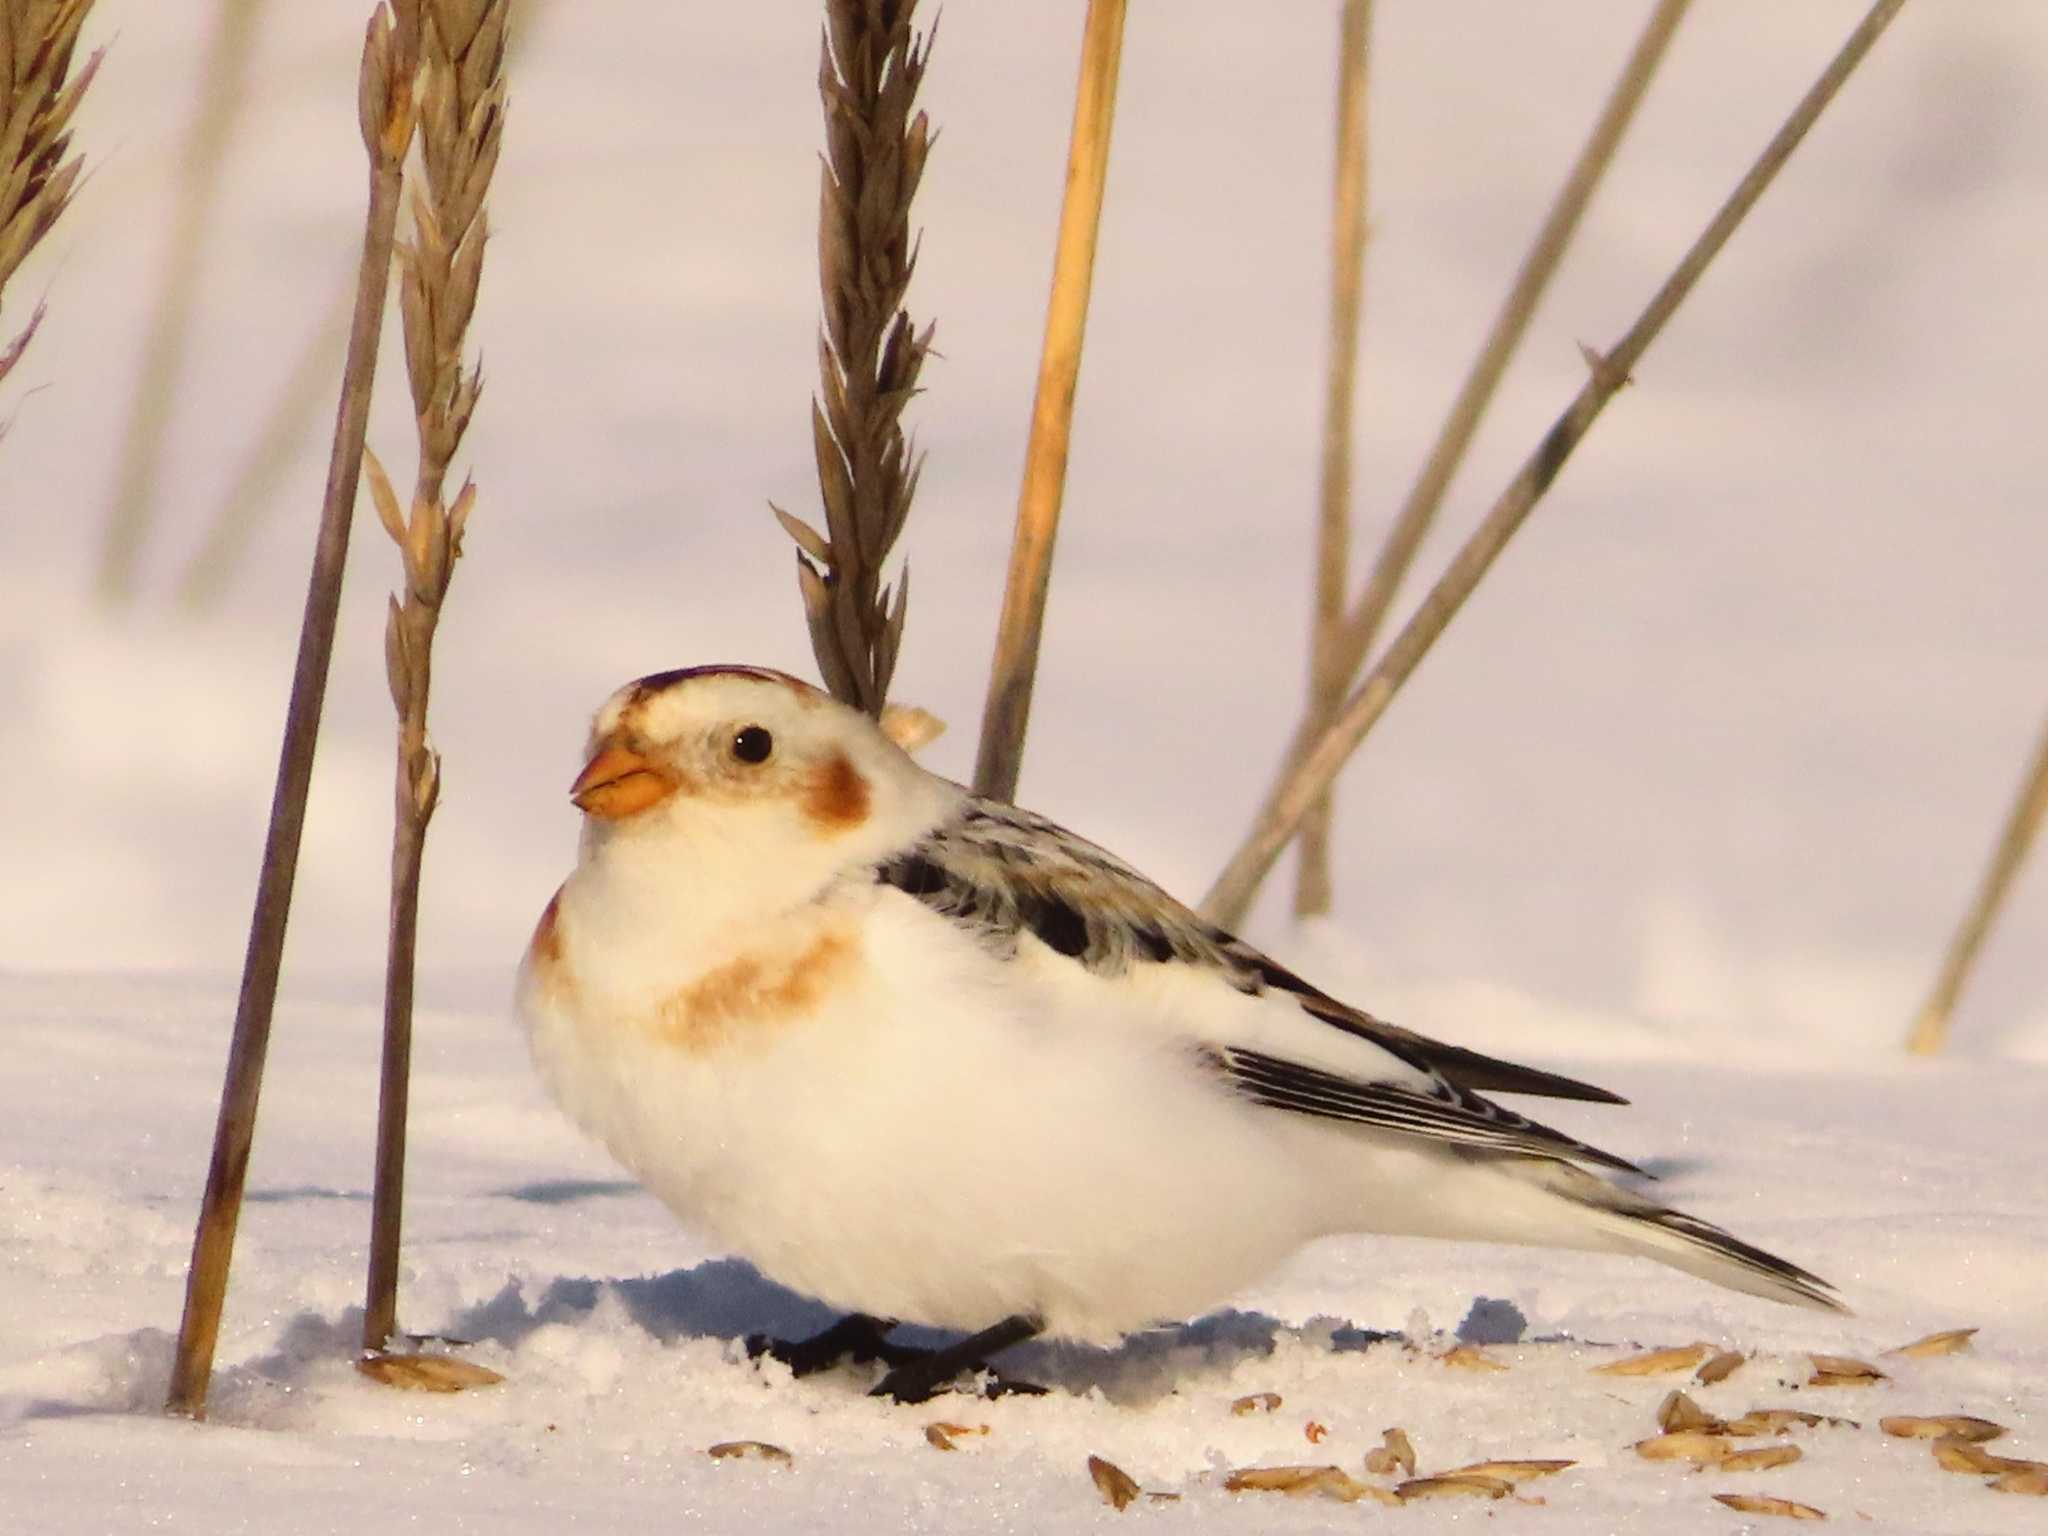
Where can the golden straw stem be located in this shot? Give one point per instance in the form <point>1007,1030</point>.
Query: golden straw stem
<point>1007,711</point>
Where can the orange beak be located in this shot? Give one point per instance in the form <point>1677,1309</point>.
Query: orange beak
<point>619,782</point>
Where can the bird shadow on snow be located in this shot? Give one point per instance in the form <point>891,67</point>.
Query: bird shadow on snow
<point>730,1300</point>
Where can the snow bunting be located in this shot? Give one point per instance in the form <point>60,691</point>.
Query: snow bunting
<point>931,1058</point>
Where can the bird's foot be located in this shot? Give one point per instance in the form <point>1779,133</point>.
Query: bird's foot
<point>934,1371</point>
<point>856,1337</point>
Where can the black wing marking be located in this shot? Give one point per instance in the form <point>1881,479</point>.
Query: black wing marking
<point>1450,1115</point>
<point>1004,873</point>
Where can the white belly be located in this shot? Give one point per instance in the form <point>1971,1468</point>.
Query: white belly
<point>918,1145</point>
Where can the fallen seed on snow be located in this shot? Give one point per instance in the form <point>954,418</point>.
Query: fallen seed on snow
<point>1256,1402</point>
<point>1510,1471</point>
<point>749,1450</point>
<point>1694,1445</point>
<point>1948,1342</point>
<point>1966,1456</point>
<point>1775,1421</point>
<point>1760,1458</point>
<point>2035,1482</point>
<point>1679,1411</point>
<point>1116,1486</point>
<point>1304,1482</point>
<point>1657,1362</point>
<point>1719,1368</point>
<point>1317,1433</point>
<point>1843,1371</point>
<point>427,1373</point>
<point>1395,1454</point>
<point>943,1436</point>
<point>1947,1426</point>
<point>1470,1357</point>
<point>1764,1504</point>
<point>1454,1485</point>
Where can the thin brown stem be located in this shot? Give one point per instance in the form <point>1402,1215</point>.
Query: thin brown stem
<point>1418,511</point>
<point>2022,824</point>
<point>1317,767</point>
<point>1007,711</point>
<point>1327,678</point>
<point>386,110</point>
<point>462,116</point>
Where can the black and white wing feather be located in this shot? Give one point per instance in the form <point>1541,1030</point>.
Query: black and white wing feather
<point>1009,876</point>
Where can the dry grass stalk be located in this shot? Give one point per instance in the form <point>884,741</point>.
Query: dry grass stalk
<point>38,95</point>
<point>386,113</point>
<point>1930,1027</point>
<point>201,162</point>
<point>1317,767</point>
<point>1764,1504</point>
<point>1354,635</point>
<point>461,95</point>
<point>869,353</point>
<point>1949,1341</point>
<point>1326,680</point>
<point>1007,711</point>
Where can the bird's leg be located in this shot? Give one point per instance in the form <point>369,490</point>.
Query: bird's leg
<point>916,1380</point>
<point>856,1336</point>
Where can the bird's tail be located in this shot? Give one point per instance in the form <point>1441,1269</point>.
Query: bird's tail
<point>1625,1222</point>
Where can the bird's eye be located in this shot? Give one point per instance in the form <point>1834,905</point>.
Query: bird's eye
<point>752,744</point>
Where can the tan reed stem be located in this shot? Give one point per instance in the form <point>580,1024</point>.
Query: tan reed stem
<point>461,116</point>
<point>1290,798</point>
<point>869,353</point>
<point>38,96</point>
<point>385,109</point>
<point>1418,512</point>
<point>1930,1027</point>
<point>1007,711</point>
<point>1333,525</point>
<point>224,88</point>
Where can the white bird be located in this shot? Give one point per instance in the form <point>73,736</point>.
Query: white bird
<point>930,1058</point>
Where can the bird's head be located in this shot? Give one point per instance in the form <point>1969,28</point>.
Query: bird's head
<point>747,766</point>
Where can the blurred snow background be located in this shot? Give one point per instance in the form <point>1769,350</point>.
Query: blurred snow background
<point>1724,738</point>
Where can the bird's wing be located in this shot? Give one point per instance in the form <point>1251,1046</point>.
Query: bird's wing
<point>1006,875</point>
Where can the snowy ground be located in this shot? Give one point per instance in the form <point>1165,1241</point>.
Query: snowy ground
<point>617,1334</point>
<point>1686,803</point>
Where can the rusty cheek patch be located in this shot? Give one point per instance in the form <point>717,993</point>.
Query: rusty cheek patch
<point>835,799</point>
<point>544,953</point>
<point>753,994</point>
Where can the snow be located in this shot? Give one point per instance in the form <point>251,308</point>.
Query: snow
<point>1686,803</point>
